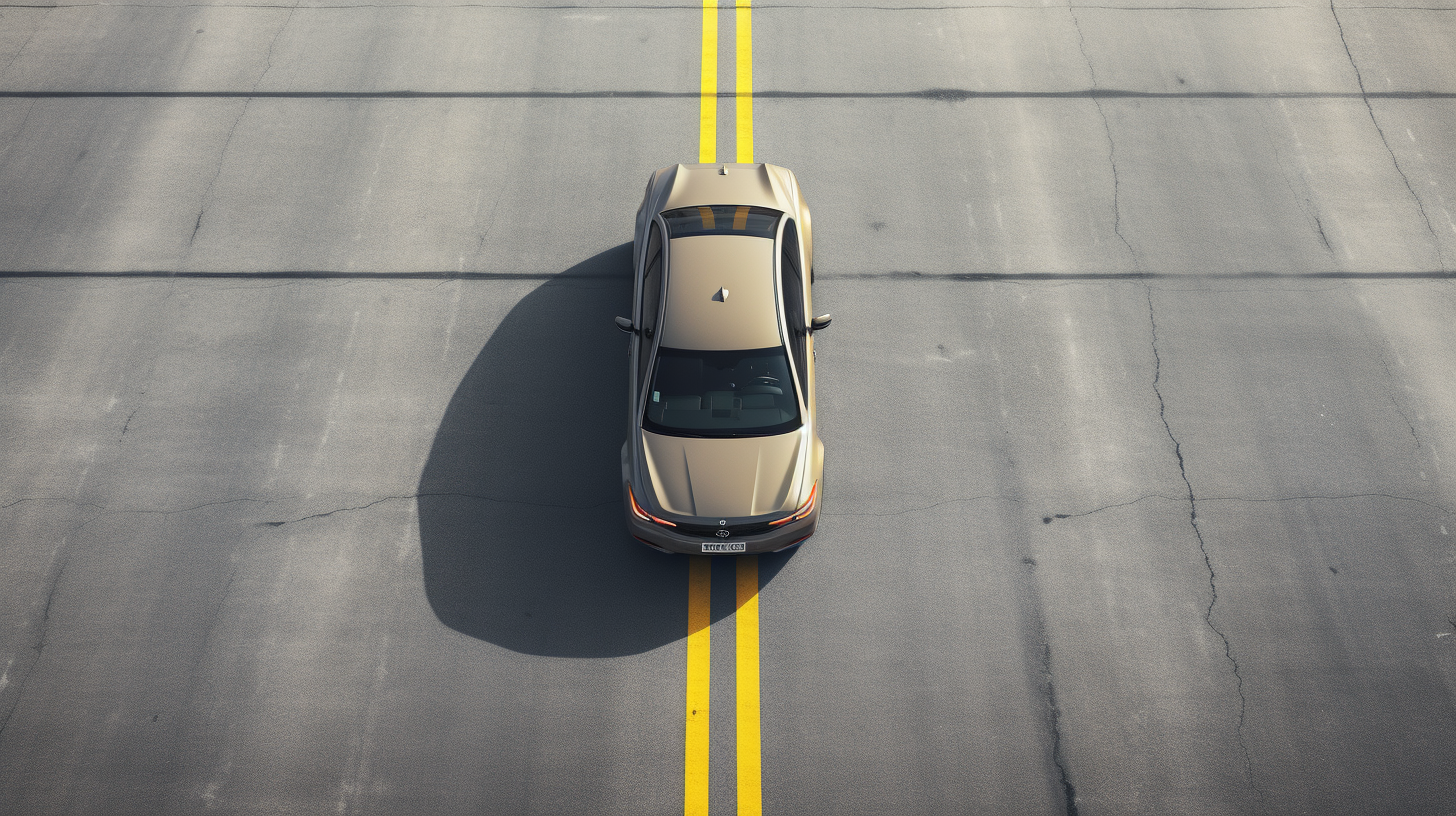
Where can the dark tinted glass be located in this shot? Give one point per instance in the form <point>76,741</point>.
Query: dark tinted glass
<point>721,220</point>
<point>793,296</point>
<point>651,301</point>
<point>721,393</point>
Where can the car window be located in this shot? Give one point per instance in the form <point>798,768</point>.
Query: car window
<point>792,290</point>
<point>759,222</point>
<point>651,300</point>
<point>721,393</point>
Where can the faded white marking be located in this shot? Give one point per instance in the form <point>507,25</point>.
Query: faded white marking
<point>209,793</point>
<point>450,325</point>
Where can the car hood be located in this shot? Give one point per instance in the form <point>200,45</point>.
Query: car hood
<point>723,477</point>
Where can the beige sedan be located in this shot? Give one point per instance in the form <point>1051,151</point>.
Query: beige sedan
<point>723,452</point>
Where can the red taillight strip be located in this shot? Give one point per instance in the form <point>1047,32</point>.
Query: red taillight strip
<point>643,514</point>
<point>804,509</point>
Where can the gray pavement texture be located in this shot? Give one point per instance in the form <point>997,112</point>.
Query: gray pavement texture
<point>1138,406</point>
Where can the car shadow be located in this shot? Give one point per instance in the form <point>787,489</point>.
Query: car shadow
<point>521,527</point>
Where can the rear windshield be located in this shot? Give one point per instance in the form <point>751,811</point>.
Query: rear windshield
<point>759,222</point>
<point>721,393</point>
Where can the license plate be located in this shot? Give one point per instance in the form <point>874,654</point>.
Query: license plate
<point>723,546</point>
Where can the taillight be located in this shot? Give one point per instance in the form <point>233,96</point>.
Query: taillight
<point>804,509</point>
<point>643,514</point>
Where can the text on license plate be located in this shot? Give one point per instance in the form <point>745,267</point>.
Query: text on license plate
<point>723,546</point>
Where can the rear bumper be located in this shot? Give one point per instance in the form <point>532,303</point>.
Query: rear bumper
<point>664,538</point>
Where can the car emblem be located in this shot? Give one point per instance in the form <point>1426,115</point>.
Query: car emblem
<point>723,534</point>
<point>722,522</point>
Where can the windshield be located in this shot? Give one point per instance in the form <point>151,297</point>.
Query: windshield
<point>721,393</point>
<point>759,222</point>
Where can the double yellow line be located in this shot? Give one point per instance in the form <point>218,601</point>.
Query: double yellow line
<point>708,89</point>
<point>746,693</point>
<point>700,568</point>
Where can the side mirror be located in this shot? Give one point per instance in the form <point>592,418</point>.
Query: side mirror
<point>625,324</point>
<point>820,323</point>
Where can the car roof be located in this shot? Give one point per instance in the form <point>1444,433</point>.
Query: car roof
<point>697,317</point>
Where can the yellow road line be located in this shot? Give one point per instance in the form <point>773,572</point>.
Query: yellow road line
<point>700,568</point>
<point>708,89</point>
<point>695,767</point>
<point>750,757</point>
<point>700,575</point>
<point>750,752</point>
<point>745,81</point>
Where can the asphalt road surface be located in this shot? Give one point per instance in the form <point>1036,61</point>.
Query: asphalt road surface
<point>1139,408</point>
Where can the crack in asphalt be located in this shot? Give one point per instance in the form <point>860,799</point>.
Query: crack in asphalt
<point>214,619</point>
<point>1360,80</point>
<point>1395,403</point>
<point>1059,759</point>
<point>1320,228</point>
<point>16,56</point>
<point>127,425</point>
<point>1203,550</point>
<point>221,159</point>
<point>62,499</point>
<point>1046,680</point>
<point>1107,129</point>
<point>447,494</point>
<point>1059,516</point>
<point>1048,519</point>
<point>104,510</point>
<point>13,139</point>
<point>40,639</point>
<point>1381,347</point>
<point>232,130</point>
<point>932,506</point>
<point>268,63</point>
